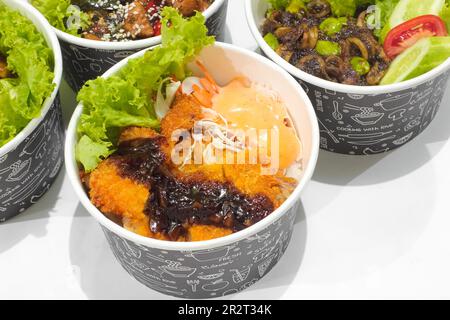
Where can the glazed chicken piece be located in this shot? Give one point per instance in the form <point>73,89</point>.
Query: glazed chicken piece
<point>137,23</point>
<point>99,26</point>
<point>189,7</point>
<point>4,72</point>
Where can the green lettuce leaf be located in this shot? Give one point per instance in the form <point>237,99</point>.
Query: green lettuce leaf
<point>127,98</point>
<point>279,4</point>
<point>58,11</point>
<point>30,59</point>
<point>445,14</point>
<point>381,17</point>
<point>343,8</point>
<point>339,8</point>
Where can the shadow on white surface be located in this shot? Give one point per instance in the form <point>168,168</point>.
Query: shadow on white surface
<point>33,221</point>
<point>100,276</point>
<point>344,170</point>
<point>278,280</point>
<point>68,102</point>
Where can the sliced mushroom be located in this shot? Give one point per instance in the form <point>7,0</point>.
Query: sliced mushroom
<point>356,42</point>
<point>361,22</point>
<point>334,67</point>
<point>310,38</point>
<point>375,74</point>
<point>283,32</point>
<point>285,53</point>
<point>319,8</point>
<point>313,64</point>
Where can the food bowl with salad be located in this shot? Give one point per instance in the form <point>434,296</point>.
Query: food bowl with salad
<point>196,196</point>
<point>31,130</point>
<point>375,70</point>
<point>96,34</point>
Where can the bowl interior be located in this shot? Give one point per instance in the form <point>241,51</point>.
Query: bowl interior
<point>46,30</point>
<point>225,62</point>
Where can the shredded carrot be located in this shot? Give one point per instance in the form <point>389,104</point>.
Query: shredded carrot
<point>208,76</point>
<point>202,96</point>
<point>208,86</point>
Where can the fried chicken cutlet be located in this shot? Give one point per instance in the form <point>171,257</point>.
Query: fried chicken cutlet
<point>142,188</point>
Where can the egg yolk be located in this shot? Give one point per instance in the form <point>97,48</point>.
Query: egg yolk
<point>246,107</point>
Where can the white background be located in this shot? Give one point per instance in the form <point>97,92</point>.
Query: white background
<point>371,227</point>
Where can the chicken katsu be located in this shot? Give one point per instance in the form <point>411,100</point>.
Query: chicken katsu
<point>177,157</point>
<point>140,188</point>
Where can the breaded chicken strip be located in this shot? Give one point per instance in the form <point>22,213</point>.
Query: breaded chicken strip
<point>132,133</point>
<point>118,196</point>
<point>125,199</point>
<point>185,112</point>
<point>246,178</point>
<point>122,197</point>
<point>203,233</point>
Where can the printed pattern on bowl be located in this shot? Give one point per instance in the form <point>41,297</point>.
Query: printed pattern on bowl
<point>208,273</point>
<point>82,64</point>
<point>28,171</point>
<point>372,124</point>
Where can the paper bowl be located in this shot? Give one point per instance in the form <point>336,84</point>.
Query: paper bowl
<point>230,264</point>
<point>362,120</point>
<point>31,161</point>
<point>87,59</point>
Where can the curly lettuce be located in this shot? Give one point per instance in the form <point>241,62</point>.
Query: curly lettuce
<point>279,4</point>
<point>59,12</point>
<point>445,14</point>
<point>127,98</point>
<point>31,61</point>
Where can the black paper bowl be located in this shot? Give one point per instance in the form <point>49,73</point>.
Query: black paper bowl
<point>86,59</point>
<point>31,161</point>
<point>362,120</point>
<point>230,264</point>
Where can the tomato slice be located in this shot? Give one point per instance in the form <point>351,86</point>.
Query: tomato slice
<point>408,33</point>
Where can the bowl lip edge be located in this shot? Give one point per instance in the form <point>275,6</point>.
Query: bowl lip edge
<point>72,171</point>
<point>53,44</point>
<point>338,87</point>
<point>127,45</point>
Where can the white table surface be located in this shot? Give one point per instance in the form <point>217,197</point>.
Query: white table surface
<point>372,227</point>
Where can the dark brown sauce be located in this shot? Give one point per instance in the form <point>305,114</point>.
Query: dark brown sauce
<point>174,205</point>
